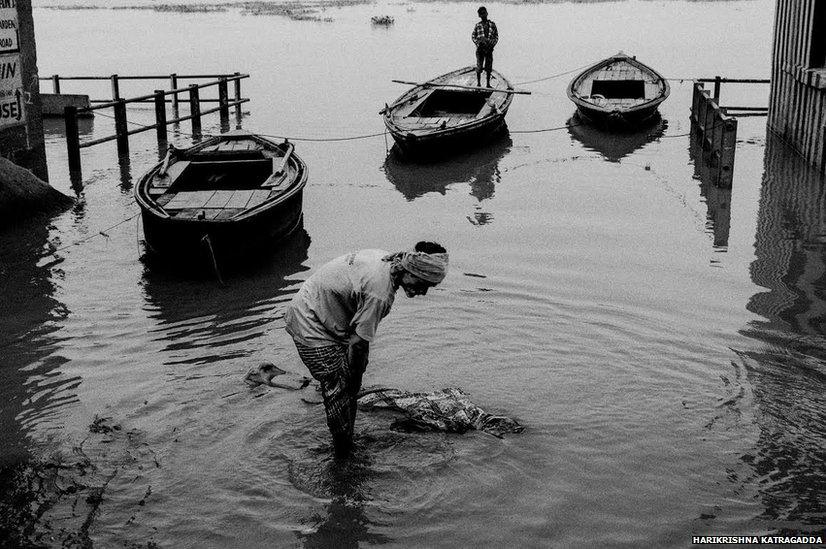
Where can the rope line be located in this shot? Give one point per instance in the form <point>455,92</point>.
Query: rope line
<point>552,76</point>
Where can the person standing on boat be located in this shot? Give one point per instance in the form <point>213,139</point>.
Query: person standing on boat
<point>334,315</point>
<point>485,36</point>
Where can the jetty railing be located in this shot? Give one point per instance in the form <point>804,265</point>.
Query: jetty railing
<point>716,127</point>
<point>160,100</point>
<point>736,110</point>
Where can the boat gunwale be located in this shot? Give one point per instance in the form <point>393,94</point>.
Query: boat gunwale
<point>149,205</point>
<point>652,103</point>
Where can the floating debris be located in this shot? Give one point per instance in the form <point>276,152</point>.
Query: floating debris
<point>382,20</point>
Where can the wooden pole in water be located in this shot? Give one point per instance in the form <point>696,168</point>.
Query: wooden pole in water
<point>115,87</point>
<point>223,102</point>
<point>173,83</point>
<point>56,84</point>
<point>717,89</point>
<point>72,138</point>
<point>160,116</point>
<point>195,109</point>
<point>727,150</point>
<point>238,116</point>
<point>121,128</point>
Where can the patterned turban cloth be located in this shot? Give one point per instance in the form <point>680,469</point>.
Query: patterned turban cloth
<point>429,267</point>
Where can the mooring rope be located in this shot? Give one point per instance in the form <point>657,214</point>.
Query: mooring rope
<point>552,76</point>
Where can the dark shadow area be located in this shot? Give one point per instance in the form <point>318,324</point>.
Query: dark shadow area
<point>787,373</point>
<point>446,102</point>
<point>28,345</point>
<point>343,523</point>
<point>718,199</point>
<point>479,168</point>
<point>189,304</point>
<point>615,145</point>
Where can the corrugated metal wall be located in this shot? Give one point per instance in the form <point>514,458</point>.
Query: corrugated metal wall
<point>797,105</point>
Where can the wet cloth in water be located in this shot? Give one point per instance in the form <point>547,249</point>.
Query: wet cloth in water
<point>445,410</point>
<point>330,367</point>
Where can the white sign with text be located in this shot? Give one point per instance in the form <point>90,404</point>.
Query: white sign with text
<point>9,35</point>
<point>12,110</point>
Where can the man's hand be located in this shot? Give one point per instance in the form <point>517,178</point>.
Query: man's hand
<point>357,352</point>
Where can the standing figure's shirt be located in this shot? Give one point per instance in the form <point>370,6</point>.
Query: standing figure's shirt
<point>485,35</point>
<point>349,295</point>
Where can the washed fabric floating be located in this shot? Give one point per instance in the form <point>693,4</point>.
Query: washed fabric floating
<point>445,410</point>
<point>448,410</point>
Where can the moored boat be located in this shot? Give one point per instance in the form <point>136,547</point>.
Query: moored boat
<point>229,193</point>
<point>448,112</point>
<point>618,91</point>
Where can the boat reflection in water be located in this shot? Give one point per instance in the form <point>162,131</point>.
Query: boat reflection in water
<point>215,317</point>
<point>786,369</point>
<point>479,169</point>
<point>615,145</point>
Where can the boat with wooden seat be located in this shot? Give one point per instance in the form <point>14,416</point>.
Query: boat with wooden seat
<point>230,193</point>
<point>448,112</point>
<point>618,91</point>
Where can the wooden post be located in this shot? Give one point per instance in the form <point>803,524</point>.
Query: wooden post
<point>115,87</point>
<point>717,89</point>
<point>223,105</point>
<point>160,116</point>
<point>694,102</point>
<point>72,138</point>
<point>56,84</point>
<point>173,83</point>
<point>712,118</point>
<point>121,128</point>
<point>238,99</point>
<point>702,111</point>
<point>727,149</point>
<point>195,109</point>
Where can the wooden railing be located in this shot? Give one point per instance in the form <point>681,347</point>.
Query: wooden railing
<point>159,98</point>
<point>735,110</point>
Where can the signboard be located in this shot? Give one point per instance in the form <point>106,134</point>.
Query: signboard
<point>9,35</point>
<point>12,110</point>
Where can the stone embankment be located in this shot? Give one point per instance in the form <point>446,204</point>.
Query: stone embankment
<point>23,194</point>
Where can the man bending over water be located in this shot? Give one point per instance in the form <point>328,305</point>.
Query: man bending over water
<point>333,318</point>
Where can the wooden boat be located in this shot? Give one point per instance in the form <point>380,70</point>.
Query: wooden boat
<point>618,91</point>
<point>228,193</point>
<point>448,112</point>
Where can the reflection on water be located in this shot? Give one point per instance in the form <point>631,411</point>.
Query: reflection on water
<point>790,244</point>
<point>718,199</point>
<point>615,145</point>
<point>479,168</point>
<point>198,316</point>
<point>788,377</point>
<point>343,521</point>
<point>32,387</point>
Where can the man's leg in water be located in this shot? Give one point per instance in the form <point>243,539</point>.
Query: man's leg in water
<point>329,366</point>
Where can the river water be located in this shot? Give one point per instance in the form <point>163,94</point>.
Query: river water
<point>660,338</point>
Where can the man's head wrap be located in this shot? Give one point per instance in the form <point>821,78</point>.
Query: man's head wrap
<point>429,267</point>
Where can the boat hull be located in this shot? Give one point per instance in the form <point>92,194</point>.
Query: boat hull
<point>619,119</point>
<point>618,92</point>
<point>448,114</point>
<point>189,240</point>
<point>232,217</point>
<point>448,143</point>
